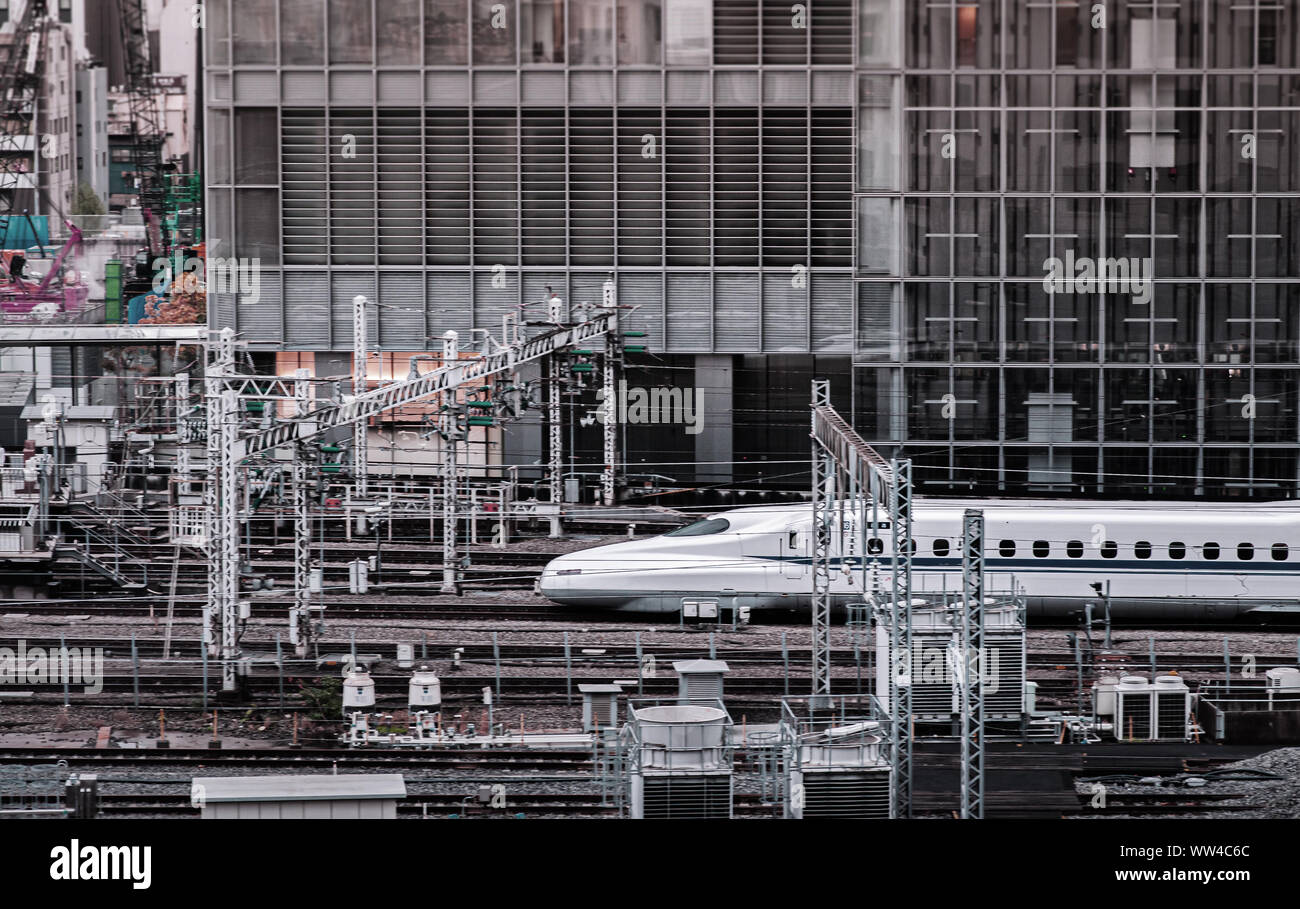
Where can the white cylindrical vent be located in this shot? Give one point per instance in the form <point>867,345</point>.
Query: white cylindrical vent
<point>424,690</point>
<point>358,690</point>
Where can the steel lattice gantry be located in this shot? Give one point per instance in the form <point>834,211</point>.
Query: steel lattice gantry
<point>850,483</point>
<point>972,664</point>
<point>228,447</point>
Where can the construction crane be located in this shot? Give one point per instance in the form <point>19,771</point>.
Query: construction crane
<point>144,125</point>
<point>22,65</point>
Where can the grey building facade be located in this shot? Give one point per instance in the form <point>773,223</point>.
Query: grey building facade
<point>888,194</point>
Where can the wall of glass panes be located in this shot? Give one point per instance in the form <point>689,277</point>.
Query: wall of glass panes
<point>1025,133</point>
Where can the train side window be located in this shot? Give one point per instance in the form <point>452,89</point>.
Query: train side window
<point>1210,551</point>
<point>1042,549</point>
<point>1177,550</point>
<point>1280,552</point>
<point>1007,549</point>
<point>875,546</point>
<point>794,538</point>
<point>939,547</point>
<point>1245,551</point>
<point>1074,549</point>
<point>1109,549</point>
<point>1142,549</point>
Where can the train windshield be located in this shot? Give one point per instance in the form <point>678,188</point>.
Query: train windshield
<point>701,528</point>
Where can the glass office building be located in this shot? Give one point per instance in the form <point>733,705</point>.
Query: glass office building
<point>1039,247</point>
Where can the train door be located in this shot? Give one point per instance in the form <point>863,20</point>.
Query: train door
<point>794,555</point>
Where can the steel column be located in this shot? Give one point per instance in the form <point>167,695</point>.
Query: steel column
<point>900,679</point>
<point>360,453</point>
<point>613,352</point>
<point>300,621</point>
<point>555,450</point>
<point>973,664</point>
<point>823,500</point>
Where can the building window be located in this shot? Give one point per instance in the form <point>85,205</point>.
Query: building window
<point>350,31</point>
<point>542,31</point>
<point>591,32</point>
<point>446,32</point>
<point>688,31</point>
<point>1177,550</point>
<point>640,31</point>
<point>1074,549</point>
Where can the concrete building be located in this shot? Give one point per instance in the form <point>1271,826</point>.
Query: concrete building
<point>92,128</point>
<point>871,191</point>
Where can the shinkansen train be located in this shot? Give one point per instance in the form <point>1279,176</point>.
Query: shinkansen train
<point>1165,561</point>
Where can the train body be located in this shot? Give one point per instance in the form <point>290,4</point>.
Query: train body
<point>1163,561</point>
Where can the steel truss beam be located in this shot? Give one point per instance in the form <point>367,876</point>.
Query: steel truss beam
<point>900,677</point>
<point>226,449</point>
<point>399,394</point>
<point>973,664</point>
<point>851,476</point>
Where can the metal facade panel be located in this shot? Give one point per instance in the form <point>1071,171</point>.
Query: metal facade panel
<point>591,87</point>
<point>646,292</point>
<point>344,286</point>
<point>735,87</point>
<point>876,339</point>
<point>303,211</point>
<point>736,312</point>
<point>785,87</point>
<point>832,87</point>
<point>494,88</point>
<point>635,87</point>
<point>491,302</point>
<point>351,88</point>
<point>785,314</point>
<point>306,310</point>
<point>399,88</point>
<point>688,88</point>
<point>449,300</point>
<point>256,88</point>
<point>689,306</point>
<point>447,87</point>
<point>303,88</point>
<point>219,86</point>
<point>259,314</point>
<point>221,308</point>
<point>539,87</point>
<point>832,313</point>
<point>401,318</point>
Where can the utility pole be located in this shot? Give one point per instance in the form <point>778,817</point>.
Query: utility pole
<point>613,352</point>
<point>450,419</point>
<point>360,428</point>
<point>556,448</point>
<point>823,498</point>
<point>900,685</point>
<point>300,621</point>
<point>973,664</point>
